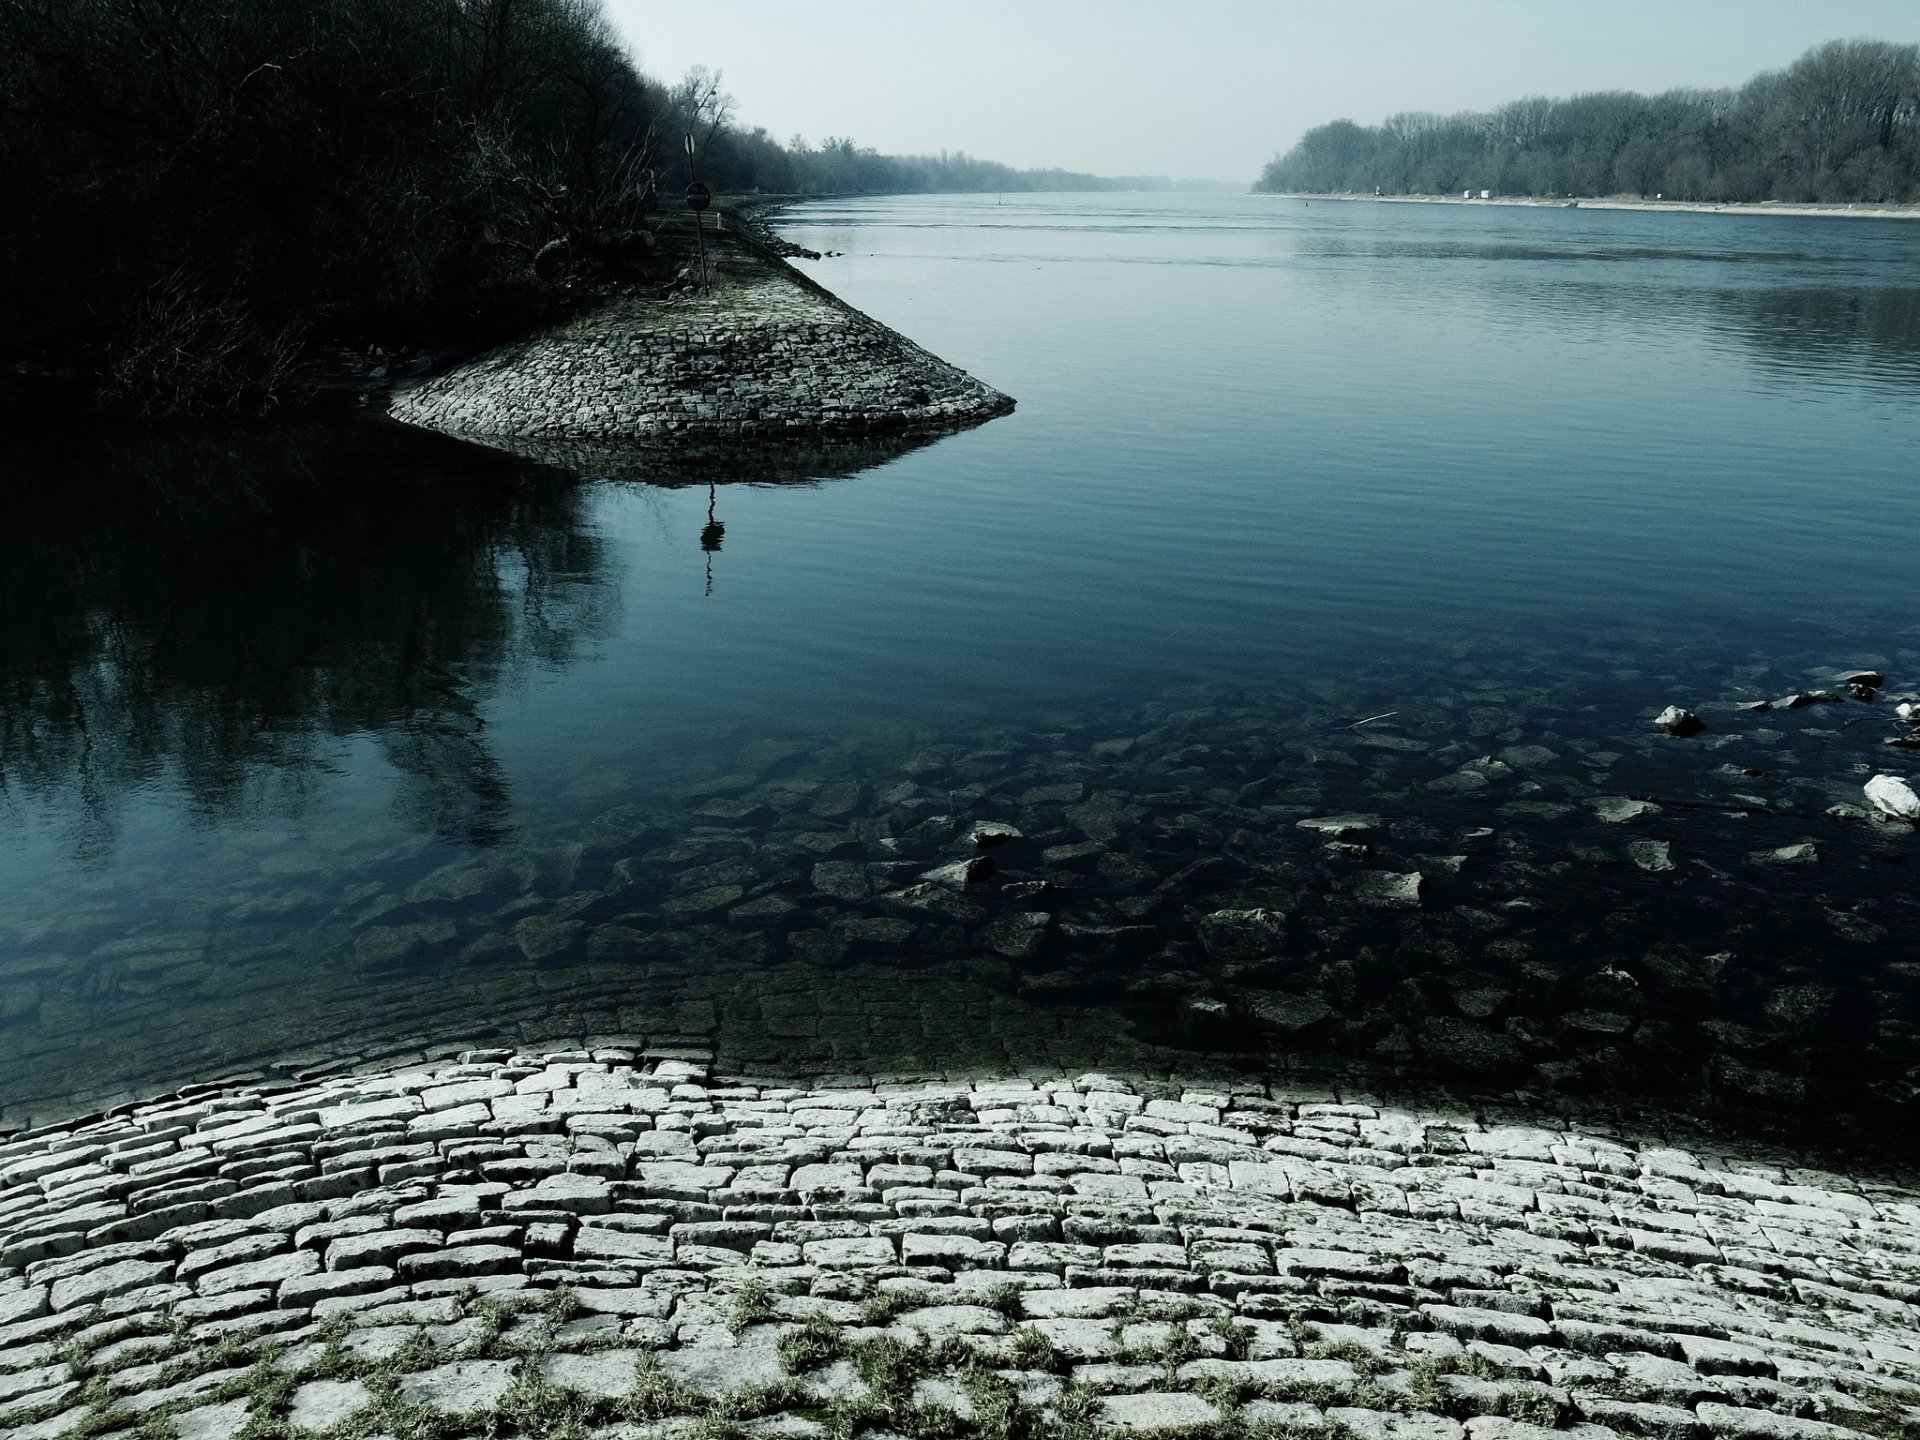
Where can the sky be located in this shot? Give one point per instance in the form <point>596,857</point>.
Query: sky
<point>1207,89</point>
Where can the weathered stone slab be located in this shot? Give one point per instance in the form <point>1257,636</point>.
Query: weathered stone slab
<point>462,1388</point>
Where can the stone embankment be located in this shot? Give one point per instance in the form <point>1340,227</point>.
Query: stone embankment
<point>613,1243</point>
<point>767,354</point>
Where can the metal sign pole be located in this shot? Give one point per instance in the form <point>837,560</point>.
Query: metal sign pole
<point>699,197</point>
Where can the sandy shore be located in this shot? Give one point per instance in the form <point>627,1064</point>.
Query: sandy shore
<point>1618,202</point>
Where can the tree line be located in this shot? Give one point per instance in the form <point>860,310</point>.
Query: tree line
<point>197,194</point>
<point>1839,125</point>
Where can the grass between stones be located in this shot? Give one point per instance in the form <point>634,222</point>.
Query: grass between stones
<point>981,1400</point>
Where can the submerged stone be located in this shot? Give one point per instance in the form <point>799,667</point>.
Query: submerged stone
<point>961,873</point>
<point>1617,808</point>
<point>1651,854</point>
<point>1243,934</point>
<point>1386,890</point>
<point>1339,827</point>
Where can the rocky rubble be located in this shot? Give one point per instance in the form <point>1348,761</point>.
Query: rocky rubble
<point>767,355</point>
<point>615,1243</point>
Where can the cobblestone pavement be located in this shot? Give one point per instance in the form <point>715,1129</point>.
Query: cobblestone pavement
<point>605,1242</point>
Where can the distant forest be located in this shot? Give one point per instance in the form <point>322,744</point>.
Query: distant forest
<point>1839,125</point>
<point>196,194</point>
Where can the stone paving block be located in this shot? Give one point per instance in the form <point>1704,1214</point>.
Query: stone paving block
<point>36,1381</point>
<point>943,1394</point>
<point>1155,1412</point>
<point>379,1247</point>
<point>141,1401</point>
<point>1105,1378</point>
<point>1473,1396</point>
<point>1500,1326</point>
<point>1080,1339</point>
<point>369,1300</point>
<point>850,1253</point>
<point>257,1246</point>
<point>1602,1339</point>
<point>1152,1256</point>
<point>380,1342</point>
<point>723,1370</point>
<point>955,1252</point>
<point>333,1284</point>
<point>936,1321</point>
<point>322,1404</point>
<point>460,1388</point>
<point>1080,1302</point>
<point>223,1421</point>
<point>1719,1357</point>
<point>605,1373</point>
<point>1051,1255</point>
<point>785,1427</point>
<point>1211,1255</point>
<point>25,1304</point>
<point>602,1243</point>
<point>254,1274</point>
<point>1738,1423</point>
<point>106,1282</point>
<point>826,1177</point>
<point>1499,1427</point>
<point>631,1300</point>
<point>11,1410</point>
<point>1653,1378</point>
<point>1387,1425</point>
<point>1345,1265</point>
<point>1655,1422</point>
<point>459,1262</point>
<point>1275,1376</point>
<point>52,1428</point>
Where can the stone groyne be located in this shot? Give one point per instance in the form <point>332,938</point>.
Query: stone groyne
<point>612,1242</point>
<point>765,355</point>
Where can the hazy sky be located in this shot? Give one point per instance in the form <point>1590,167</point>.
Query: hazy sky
<point>1200,88</point>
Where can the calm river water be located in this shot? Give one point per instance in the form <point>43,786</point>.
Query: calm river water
<point>338,742</point>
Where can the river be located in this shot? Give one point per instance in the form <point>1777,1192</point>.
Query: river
<point>341,741</point>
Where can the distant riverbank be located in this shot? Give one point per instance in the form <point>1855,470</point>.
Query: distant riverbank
<point>1621,202</point>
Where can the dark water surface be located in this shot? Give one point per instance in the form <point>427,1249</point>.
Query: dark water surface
<point>328,742</point>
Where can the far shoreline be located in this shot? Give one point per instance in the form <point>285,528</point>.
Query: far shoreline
<point>1677,207</point>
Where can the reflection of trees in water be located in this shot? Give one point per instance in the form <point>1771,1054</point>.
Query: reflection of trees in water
<point>1868,330</point>
<point>227,608</point>
<point>1872,332</point>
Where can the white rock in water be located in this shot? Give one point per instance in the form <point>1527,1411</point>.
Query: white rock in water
<point>1615,808</point>
<point>1908,711</point>
<point>1340,827</point>
<point>1676,721</point>
<point>1893,797</point>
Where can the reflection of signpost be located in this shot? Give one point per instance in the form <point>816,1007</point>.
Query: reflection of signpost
<point>698,198</point>
<point>710,537</point>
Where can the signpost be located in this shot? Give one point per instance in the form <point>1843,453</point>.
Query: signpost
<point>698,198</point>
